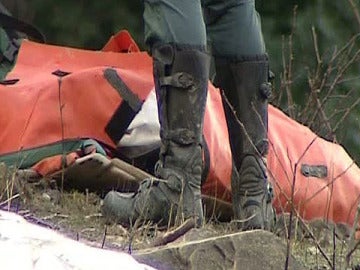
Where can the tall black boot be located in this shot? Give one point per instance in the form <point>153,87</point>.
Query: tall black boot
<point>181,80</point>
<point>246,88</point>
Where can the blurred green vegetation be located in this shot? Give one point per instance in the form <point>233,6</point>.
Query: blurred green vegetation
<point>313,47</point>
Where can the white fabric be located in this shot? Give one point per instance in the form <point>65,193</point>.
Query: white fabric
<point>143,134</point>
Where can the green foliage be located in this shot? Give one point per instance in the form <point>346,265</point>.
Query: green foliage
<point>315,57</point>
<point>86,24</point>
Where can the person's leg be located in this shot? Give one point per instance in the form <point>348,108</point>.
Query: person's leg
<point>172,21</point>
<point>233,28</point>
<point>175,34</point>
<point>242,71</point>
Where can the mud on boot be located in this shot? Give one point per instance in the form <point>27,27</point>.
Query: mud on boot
<point>171,198</point>
<point>253,200</point>
<point>246,90</point>
<point>181,79</point>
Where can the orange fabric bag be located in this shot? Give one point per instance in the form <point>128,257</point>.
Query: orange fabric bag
<point>43,108</point>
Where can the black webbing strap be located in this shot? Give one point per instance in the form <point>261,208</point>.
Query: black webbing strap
<point>126,111</point>
<point>10,23</point>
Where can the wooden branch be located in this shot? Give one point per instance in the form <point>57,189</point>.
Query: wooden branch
<point>171,236</point>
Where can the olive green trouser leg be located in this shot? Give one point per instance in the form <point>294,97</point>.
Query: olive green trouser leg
<point>232,28</point>
<point>174,21</point>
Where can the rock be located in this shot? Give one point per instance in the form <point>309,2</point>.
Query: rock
<point>321,230</point>
<point>256,249</point>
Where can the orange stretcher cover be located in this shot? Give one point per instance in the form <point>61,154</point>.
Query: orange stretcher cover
<point>43,108</point>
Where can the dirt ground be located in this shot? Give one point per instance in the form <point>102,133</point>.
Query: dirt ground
<point>76,214</point>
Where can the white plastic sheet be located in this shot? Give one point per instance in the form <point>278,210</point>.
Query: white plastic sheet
<point>27,246</point>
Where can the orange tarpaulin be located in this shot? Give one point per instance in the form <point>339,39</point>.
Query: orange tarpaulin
<point>293,145</point>
<point>43,107</point>
<point>33,103</point>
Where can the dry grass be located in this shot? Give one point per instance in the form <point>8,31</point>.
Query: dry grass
<point>318,245</point>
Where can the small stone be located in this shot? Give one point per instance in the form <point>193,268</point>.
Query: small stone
<point>46,197</point>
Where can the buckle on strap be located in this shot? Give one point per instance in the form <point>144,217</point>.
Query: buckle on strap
<point>179,79</point>
<point>319,171</point>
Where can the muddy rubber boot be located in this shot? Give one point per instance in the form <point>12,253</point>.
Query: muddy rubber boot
<point>181,80</point>
<point>246,88</point>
